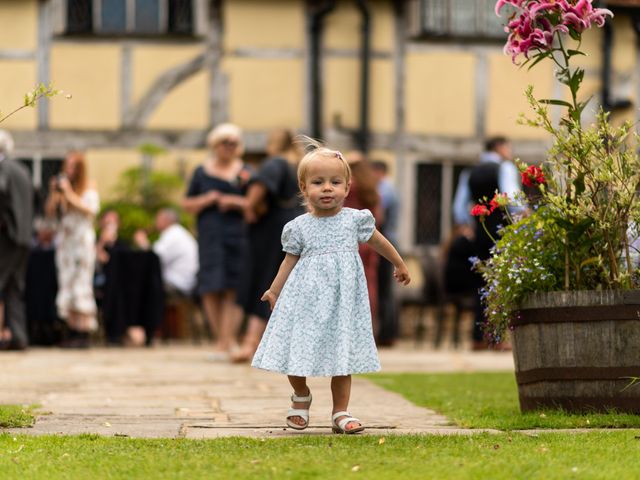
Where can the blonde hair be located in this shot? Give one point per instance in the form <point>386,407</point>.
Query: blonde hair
<point>317,150</point>
<point>226,131</point>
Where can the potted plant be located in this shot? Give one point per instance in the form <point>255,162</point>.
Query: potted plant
<point>563,275</point>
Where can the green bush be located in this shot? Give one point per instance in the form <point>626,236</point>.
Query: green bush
<point>138,196</point>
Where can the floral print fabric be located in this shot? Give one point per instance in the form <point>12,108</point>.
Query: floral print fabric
<point>75,259</point>
<point>321,323</point>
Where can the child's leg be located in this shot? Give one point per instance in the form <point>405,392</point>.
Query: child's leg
<point>341,391</point>
<point>300,388</point>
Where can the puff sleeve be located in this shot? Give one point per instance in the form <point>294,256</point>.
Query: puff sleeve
<point>291,240</point>
<point>366,225</point>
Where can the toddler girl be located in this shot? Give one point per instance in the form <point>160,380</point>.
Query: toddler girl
<point>321,320</point>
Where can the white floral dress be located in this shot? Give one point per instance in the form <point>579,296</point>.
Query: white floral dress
<point>75,259</point>
<point>321,323</point>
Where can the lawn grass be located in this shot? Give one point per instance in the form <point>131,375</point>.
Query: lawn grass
<point>502,456</point>
<point>16,416</point>
<point>489,400</point>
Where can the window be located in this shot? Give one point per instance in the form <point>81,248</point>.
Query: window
<point>41,170</point>
<point>429,205</point>
<point>458,18</point>
<point>132,17</point>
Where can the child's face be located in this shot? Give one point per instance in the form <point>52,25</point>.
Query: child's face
<point>325,186</point>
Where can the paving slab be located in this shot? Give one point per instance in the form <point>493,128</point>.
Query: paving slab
<point>175,392</point>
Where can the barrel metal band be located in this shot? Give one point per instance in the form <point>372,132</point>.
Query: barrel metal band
<point>589,404</point>
<point>596,313</point>
<point>556,374</point>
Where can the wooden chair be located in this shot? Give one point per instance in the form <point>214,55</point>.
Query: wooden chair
<point>184,318</point>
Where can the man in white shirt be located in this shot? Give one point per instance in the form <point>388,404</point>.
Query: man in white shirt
<point>177,249</point>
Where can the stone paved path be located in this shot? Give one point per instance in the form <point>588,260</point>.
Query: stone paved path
<point>175,392</point>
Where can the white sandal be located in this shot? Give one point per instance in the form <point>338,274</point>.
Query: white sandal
<point>299,412</point>
<point>340,426</point>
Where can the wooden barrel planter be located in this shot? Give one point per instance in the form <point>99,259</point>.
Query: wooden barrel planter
<point>578,351</point>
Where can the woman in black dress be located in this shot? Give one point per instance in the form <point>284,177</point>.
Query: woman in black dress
<point>215,195</point>
<point>272,201</point>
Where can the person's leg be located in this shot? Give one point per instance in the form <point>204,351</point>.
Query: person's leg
<point>341,392</point>
<point>386,305</point>
<point>251,340</point>
<point>5,333</point>
<point>6,266</point>
<point>211,306</point>
<point>300,389</point>
<point>15,308</point>
<point>77,336</point>
<point>84,300</point>
<point>72,321</point>
<point>230,319</point>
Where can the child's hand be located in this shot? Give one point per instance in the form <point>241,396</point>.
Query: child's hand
<point>270,297</point>
<point>401,274</point>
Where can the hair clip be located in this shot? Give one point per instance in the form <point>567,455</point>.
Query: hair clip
<point>339,155</point>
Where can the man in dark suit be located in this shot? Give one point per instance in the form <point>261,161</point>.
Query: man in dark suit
<point>16,215</point>
<point>495,173</point>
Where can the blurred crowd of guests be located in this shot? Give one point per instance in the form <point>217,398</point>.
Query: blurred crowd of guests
<point>240,211</point>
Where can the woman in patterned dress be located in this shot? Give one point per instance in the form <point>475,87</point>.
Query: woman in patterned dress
<point>74,200</point>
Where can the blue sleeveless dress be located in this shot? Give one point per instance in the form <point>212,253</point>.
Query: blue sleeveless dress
<point>321,323</point>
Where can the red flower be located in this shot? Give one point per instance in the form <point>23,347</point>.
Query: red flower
<point>533,176</point>
<point>480,211</point>
<point>498,200</point>
<point>244,176</point>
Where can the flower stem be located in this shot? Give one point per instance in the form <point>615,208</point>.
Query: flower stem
<point>487,230</point>
<point>31,104</point>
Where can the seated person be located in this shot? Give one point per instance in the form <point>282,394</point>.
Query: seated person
<point>109,225</point>
<point>44,234</point>
<point>178,252</point>
<point>108,237</point>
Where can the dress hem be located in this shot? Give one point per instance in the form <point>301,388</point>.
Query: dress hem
<point>318,374</point>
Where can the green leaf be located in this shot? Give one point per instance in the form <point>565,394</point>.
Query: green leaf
<point>539,58</point>
<point>576,79</point>
<point>588,261</point>
<point>561,103</point>
<point>564,223</point>
<point>578,183</point>
<point>573,53</point>
<point>577,230</point>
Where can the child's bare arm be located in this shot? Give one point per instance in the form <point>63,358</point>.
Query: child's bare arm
<point>384,247</point>
<point>285,269</point>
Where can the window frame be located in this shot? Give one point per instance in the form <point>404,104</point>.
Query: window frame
<point>419,238</point>
<point>420,30</point>
<point>200,9</point>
